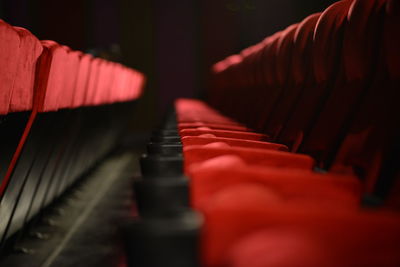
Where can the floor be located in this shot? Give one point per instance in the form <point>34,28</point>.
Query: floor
<point>82,229</point>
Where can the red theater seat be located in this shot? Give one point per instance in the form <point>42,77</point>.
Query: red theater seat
<point>205,139</point>
<point>93,81</point>
<point>191,125</point>
<point>356,77</point>
<point>190,110</point>
<point>51,75</point>
<point>325,58</point>
<point>255,156</point>
<point>279,76</point>
<point>374,129</point>
<point>82,80</point>
<point>70,75</point>
<point>224,133</point>
<point>279,247</point>
<point>22,91</point>
<point>292,185</point>
<point>296,62</point>
<point>9,56</point>
<point>355,238</point>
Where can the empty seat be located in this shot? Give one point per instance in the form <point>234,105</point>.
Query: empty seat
<point>292,185</point>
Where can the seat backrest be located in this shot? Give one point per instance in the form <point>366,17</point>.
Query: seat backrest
<point>93,81</point>
<point>282,79</point>
<point>362,36</point>
<point>223,96</point>
<point>255,101</point>
<point>284,55</point>
<point>359,238</point>
<point>325,55</point>
<point>299,68</point>
<point>22,92</point>
<point>82,79</point>
<point>70,78</point>
<point>103,82</point>
<point>9,60</point>
<point>267,92</point>
<point>371,142</point>
<point>50,76</point>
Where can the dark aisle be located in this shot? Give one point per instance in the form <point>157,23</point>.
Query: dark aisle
<point>84,222</point>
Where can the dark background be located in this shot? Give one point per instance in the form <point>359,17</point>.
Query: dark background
<point>174,42</point>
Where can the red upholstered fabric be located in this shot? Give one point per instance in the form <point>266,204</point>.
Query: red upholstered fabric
<point>247,77</point>
<point>234,84</point>
<point>70,76</point>
<point>283,61</point>
<point>279,247</point>
<point>284,53</point>
<point>207,118</point>
<point>361,41</point>
<point>355,238</point>
<point>136,88</point>
<point>106,92</point>
<point>361,36</point>
<point>114,74</point>
<point>118,83</point>
<point>224,133</point>
<point>128,85</point>
<point>374,128</point>
<point>42,77</point>
<point>186,117</point>
<point>102,83</point>
<point>82,80</point>
<point>93,81</point>
<point>254,156</point>
<point>22,91</point>
<point>268,93</point>
<point>51,76</point>
<point>64,78</point>
<point>302,50</point>
<point>122,84</point>
<point>190,125</point>
<point>372,134</point>
<point>325,58</point>
<point>290,246</point>
<point>9,56</point>
<point>229,61</point>
<point>108,82</point>
<point>203,140</point>
<point>190,110</point>
<point>330,26</point>
<point>297,57</point>
<point>292,185</point>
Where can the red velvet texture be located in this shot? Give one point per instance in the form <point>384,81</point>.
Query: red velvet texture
<point>58,76</point>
